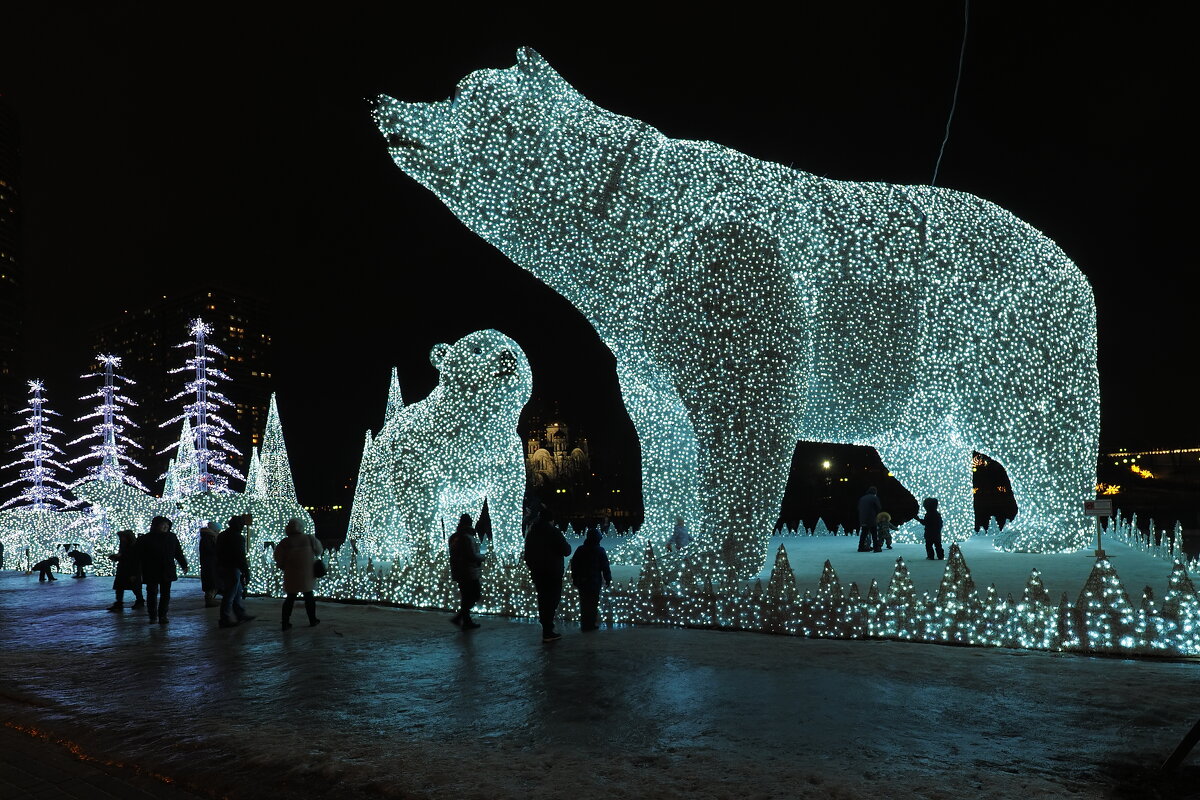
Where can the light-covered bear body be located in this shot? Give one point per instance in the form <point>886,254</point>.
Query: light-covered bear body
<point>750,305</point>
<point>444,455</point>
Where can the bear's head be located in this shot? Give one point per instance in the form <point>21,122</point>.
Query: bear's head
<point>510,145</point>
<point>485,368</point>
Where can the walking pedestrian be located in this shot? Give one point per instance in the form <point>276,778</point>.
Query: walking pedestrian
<point>208,563</point>
<point>129,572</point>
<point>43,569</point>
<point>868,508</point>
<point>465,562</point>
<point>232,571</point>
<point>295,555</point>
<point>545,552</point>
<point>590,571</point>
<point>158,552</point>
<point>933,529</point>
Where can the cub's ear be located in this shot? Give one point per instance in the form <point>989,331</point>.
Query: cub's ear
<point>437,355</point>
<point>529,61</point>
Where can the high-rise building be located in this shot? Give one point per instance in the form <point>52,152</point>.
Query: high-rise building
<point>12,391</point>
<point>146,342</point>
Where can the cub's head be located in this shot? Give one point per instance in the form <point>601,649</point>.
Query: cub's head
<point>509,144</point>
<point>486,369</point>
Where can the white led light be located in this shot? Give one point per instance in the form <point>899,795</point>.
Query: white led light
<point>750,306</point>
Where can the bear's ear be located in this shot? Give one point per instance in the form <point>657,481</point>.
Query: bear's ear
<point>530,61</point>
<point>437,355</point>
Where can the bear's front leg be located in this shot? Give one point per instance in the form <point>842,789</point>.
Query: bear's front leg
<point>728,330</point>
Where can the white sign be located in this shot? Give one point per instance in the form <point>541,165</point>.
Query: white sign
<point>1097,508</point>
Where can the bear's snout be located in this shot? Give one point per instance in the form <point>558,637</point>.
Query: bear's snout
<point>508,363</point>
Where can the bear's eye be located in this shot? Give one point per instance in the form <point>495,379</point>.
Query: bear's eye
<point>478,350</point>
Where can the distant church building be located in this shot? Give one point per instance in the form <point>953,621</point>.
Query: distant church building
<point>551,458</point>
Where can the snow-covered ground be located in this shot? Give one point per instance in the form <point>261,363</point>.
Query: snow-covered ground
<point>384,702</point>
<point>1061,572</point>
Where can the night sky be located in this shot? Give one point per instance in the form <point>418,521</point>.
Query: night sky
<point>234,148</point>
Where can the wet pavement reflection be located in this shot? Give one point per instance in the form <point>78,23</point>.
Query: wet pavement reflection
<point>390,702</point>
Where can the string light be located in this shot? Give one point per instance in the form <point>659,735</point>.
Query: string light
<point>439,458</point>
<point>750,305</point>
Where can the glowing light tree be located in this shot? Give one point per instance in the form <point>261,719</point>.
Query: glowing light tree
<point>42,490</point>
<point>270,496</point>
<point>108,440</point>
<point>32,523</point>
<point>208,427</point>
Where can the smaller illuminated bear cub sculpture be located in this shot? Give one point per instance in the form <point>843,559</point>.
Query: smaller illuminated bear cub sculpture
<point>459,446</point>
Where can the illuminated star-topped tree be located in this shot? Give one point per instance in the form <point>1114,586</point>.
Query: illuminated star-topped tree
<point>749,306</point>
<point>109,442</point>
<point>209,429</point>
<point>41,490</point>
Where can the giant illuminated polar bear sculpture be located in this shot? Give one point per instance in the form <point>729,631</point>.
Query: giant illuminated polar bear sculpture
<point>750,305</point>
<point>447,453</point>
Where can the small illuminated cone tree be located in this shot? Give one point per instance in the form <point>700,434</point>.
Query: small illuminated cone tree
<point>212,450</point>
<point>1108,616</point>
<point>108,442</point>
<point>957,602</point>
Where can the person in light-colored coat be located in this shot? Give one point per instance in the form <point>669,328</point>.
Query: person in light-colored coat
<point>295,556</point>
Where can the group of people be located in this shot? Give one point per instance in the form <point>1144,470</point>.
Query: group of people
<point>78,558</point>
<point>875,526</point>
<point>545,553</point>
<point>151,561</point>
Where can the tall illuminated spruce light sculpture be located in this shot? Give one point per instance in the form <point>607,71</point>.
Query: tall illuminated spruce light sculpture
<point>750,305</point>
<point>442,456</point>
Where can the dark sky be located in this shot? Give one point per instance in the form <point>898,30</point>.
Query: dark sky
<point>234,147</point>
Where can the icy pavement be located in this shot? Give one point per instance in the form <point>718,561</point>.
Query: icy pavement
<point>383,702</point>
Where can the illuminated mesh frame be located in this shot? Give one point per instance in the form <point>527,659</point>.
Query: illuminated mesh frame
<point>750,306</point>
<point>439,458</point>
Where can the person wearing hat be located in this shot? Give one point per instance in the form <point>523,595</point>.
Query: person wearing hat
<point>590,571</point>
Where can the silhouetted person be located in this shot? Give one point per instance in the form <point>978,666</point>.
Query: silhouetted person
<point>545,550</point>
<point>208,563</point>
<point>129,571</point>
<point>883,529</point>
<point>868,508</point>
<point>43,569</point>
<point>589,572</point>
<point>933,528</point>
<point>465,561</point>
<point>233,571</point>
<point>80,559</point>
<point>295,555</point>
<point>680,538</point>
<point>158,553</point>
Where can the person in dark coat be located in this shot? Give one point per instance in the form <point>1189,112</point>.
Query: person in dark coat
<point>158,553</point>
<point>545,551</point>
<point>129,571</point>
<point>232,571</point>
<point>43,569</point>
<point>868,509</point>
<point>933,529</point>
<point>208,563</point>
<point>80,559</point>
<point>590,571</point>
<point>465,561</point>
